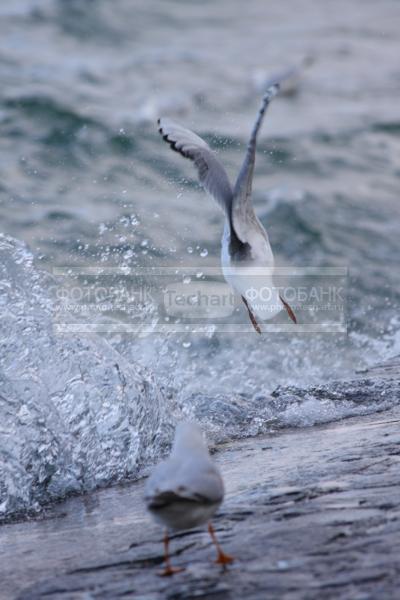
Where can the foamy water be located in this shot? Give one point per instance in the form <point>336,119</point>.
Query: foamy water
<point>86,181</point>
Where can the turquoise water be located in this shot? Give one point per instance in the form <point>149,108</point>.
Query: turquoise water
<point>86,181</point>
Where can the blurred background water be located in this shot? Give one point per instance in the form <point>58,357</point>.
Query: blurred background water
<point>85,180</point>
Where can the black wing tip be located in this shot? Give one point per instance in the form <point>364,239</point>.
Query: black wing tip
<point>162,500</point>
<point>171,143</point>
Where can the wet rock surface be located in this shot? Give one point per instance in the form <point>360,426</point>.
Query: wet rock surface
<point>309,513</point>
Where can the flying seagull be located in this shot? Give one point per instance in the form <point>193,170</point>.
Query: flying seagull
<point>247,259</point>
<point>185,490</point>
<point>289,79</point>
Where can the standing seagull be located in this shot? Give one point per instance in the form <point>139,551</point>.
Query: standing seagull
<point>185,490</point>
<point>247,259</point>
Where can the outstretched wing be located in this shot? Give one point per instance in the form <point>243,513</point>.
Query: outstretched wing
<point>212,174</point>
<point>244,220</point>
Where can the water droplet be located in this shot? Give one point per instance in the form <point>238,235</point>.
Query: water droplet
<point>134,220</point>
<point>189,249</point>
<point>144,243</point>
<point>204,253</point>
<point>186,344</point>
<point>187,279</point>
<point>199,274</point>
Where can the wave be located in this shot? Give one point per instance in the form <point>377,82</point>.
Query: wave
<point>76,414</point>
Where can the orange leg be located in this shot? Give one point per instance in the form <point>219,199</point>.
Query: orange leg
<point>222,558</point>
<point>169,569</point>
<point>251,315</point>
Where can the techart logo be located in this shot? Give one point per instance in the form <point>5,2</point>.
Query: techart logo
<point>190,299</point>
<point>200,300</point>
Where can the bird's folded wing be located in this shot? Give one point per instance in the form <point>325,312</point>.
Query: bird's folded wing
<point>173,481</point>
<point>180,495</point>
<point>212,174</point>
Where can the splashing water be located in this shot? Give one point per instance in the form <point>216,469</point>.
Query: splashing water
<point>86,182</point>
